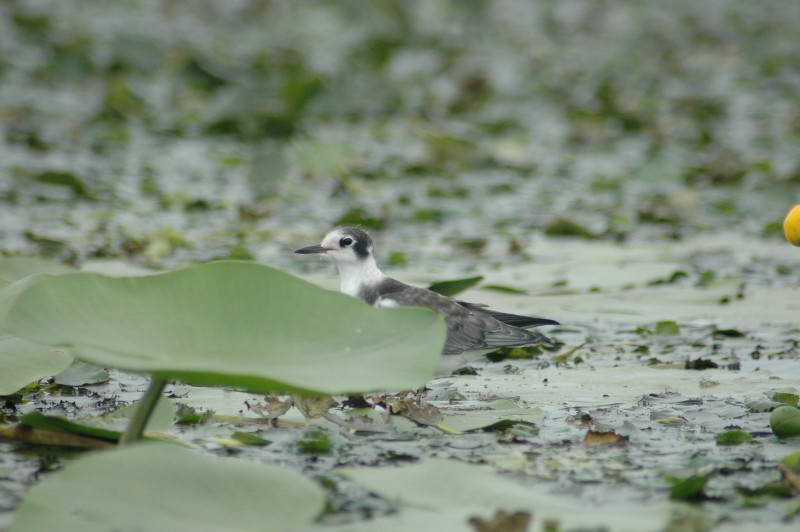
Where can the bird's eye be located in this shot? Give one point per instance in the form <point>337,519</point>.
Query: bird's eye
<point>345,242</point>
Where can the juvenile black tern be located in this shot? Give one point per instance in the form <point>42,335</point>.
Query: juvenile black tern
<point>471,327</point>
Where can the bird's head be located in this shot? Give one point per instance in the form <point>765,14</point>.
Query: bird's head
<point>343,244</point>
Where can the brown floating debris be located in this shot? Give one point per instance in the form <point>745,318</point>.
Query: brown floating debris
<point>610,437</point>
<point>502,522</point>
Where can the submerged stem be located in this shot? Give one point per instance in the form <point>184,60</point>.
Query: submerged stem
<point>135,429</point>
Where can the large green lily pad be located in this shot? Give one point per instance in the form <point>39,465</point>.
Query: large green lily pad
<point>230,323</point>
<point>443,494</point>
<point>156,486</point>
<point>23,362</point>
<point>15,268</point>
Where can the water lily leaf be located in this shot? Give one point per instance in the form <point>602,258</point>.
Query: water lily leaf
<point>504,289</point>
<point>792,461</point>
<point>429,491</point>
<point>15,268</point>
<point>667,328</point>
<point>81,373</point>
<point>23,362</point>
<point>41,421</point>
<point>231,324</point>
<point>315,442</point>
<point>159,486</point>
<point>785,421</point>
<point>467,420</point>
<point>51,438</point>
<point>733,437</point>
<point>188,415</point>
<point>161,420</point>
<point>787,398</point>
<point>455,286</point>
<point>688,489</point>
<point>248,438</point>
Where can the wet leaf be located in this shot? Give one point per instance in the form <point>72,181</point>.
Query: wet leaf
<point>564,227</point>
<point>502,522</point>
<point>433,494</point>
<point>667,328</point>
<point>229,323</point>
<point>415,409</point>
<point>63,179</point>
<point>785,398</point>
<point>37,420</point>
<point>188,415</point>
<point>733,437</point>
<point>313,406</point>
<point>359,217</point>
<point>273,407</point>
<point>15,268</point>
<point>455,286</point>
<point>161,420</point>
<point>30,435</point>
<point>165,487</point>
<point>594,438</point>
<point>23,362</point>
<point>515,353</point>
<point>688,489</point>
<point>504,289</point>
<point>785,421</point>
<point>316,442</point>
<point>792,461</point>
<point>248,438</point>
<point>81,373</point>
<point>729,333</point>
<point>469,420</point>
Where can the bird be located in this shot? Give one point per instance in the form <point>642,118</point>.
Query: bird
<point>473,329</point>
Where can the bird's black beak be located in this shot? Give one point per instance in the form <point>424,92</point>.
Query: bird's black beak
<point>308,250</point>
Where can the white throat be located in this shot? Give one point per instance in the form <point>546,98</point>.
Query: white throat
<point>354,275</point>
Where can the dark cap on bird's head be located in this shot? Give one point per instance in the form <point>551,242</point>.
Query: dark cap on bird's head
<point>343,243</point>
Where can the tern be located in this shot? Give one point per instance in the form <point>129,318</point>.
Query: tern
<point>471,327</point>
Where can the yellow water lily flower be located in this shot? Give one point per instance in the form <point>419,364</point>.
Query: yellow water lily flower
<point>791,226</point>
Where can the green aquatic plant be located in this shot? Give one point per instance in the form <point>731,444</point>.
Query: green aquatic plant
<point>227,323</point>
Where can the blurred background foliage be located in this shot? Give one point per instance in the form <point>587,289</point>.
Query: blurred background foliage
<point>166,131</point>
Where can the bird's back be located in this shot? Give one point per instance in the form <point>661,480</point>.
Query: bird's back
<point>469,327</point>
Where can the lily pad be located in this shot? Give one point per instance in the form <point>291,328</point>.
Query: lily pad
<point>161,420</point>
<point>81,373</point>
<point>785,421</point>
<point>455,286</point>
<point>467,420</point>
<point>24,362</point>
<point>160,486</point>
<point>15,268</point>
<point>504,289</point>
<point>441,494</point>
<point>37,420</point>
<point>689,489</point>
<point>231,324</point>
<point>733,437</point>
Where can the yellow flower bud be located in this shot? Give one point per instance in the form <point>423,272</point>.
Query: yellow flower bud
<point>791,226</point>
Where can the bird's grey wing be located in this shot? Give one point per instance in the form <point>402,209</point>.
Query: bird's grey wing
<point>466,329</point>
<point>511,319</point>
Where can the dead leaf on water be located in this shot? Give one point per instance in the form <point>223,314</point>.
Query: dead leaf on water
<point>313,406</point>
<point>594,438</point>
<point>272,408</point>
<point>502,522</point>
<point>33,436</point>
<point>414,409</point>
